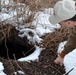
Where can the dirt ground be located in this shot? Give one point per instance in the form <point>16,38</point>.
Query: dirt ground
<point>45,65</point>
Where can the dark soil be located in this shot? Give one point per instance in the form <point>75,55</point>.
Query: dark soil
<point>45,65</point>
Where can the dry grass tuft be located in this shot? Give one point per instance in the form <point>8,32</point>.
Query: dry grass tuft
<point>35,5</point>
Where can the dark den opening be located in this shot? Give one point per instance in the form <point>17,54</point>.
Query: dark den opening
<point>15,50</point>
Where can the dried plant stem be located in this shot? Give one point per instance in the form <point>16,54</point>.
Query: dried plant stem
<point>8,55</point>
<point>28,51</point>
<point>17,63</point>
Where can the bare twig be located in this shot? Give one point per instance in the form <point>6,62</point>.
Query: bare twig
<point>17,63</point>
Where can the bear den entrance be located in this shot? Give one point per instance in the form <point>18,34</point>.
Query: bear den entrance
<point>13,46</point>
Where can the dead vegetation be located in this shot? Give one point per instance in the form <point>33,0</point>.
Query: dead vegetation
<point>45,65</point>
<point>35,5</point>
<point>25,9</point>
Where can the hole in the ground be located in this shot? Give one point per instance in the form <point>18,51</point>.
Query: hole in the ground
<point>15,49</point>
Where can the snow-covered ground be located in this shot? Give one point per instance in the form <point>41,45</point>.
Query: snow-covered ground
<point>43,26</point>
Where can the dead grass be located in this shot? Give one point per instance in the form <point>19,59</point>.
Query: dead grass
<point>23,11</point>
<point>35,5</point>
